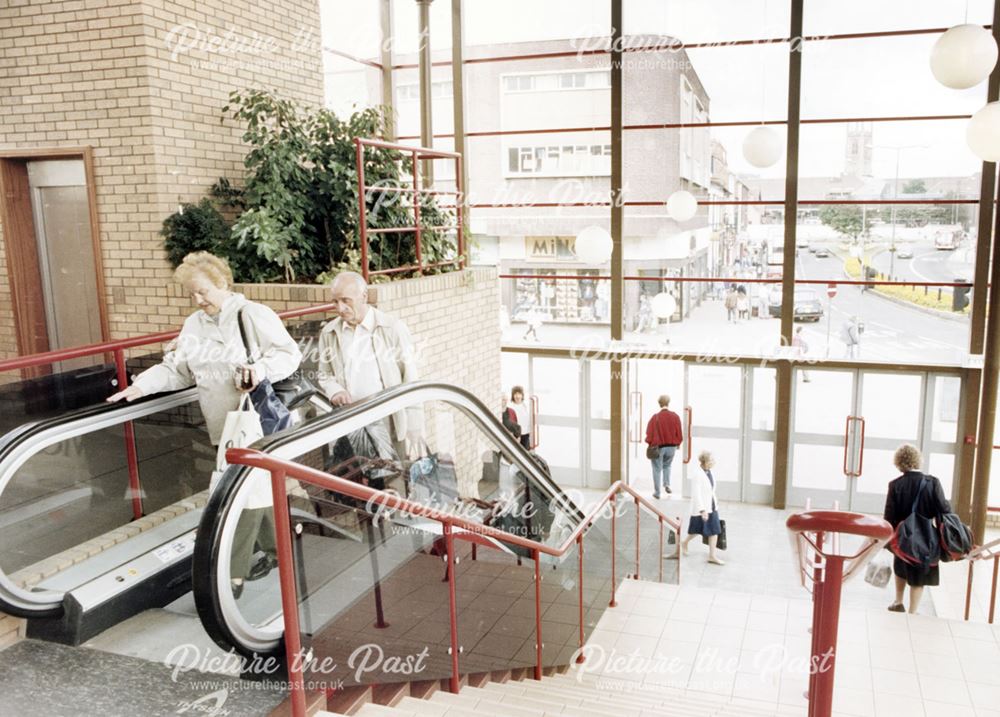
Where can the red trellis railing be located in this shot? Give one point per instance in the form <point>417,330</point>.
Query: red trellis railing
<point>989,551</point>
<point>417,154</point>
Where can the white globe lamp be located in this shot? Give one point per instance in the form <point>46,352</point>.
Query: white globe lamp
<point>963,56</point>
<point>681,206</point>
<point>593,245</point>
<point>762,147</point>
<point>664,305</point>
<point>983,133</point>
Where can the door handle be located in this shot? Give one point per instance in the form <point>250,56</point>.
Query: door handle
<point>847,442</point>
<point>861,450</point>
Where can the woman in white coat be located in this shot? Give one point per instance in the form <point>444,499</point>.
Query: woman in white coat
<point>209,353</point>
<point>704,519</point>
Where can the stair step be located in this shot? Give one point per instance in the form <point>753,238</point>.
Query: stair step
<point>373,710</point>
<point>423,707</point>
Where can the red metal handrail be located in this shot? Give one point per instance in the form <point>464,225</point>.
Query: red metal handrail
<point>416,155</point>
<point>829,570</point>
<point>988,551</point>
<point>117,350</point>
<point>736,280</point>
<point>280,469</point>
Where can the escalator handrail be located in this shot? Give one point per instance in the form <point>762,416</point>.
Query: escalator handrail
<point>22,443</point>
<point>296,441</point>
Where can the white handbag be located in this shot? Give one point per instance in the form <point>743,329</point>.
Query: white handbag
<point>241,429</point>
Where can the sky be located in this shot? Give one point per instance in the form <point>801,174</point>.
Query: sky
<point>842,78</point>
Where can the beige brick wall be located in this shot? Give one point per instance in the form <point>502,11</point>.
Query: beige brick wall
<point>143,83</point>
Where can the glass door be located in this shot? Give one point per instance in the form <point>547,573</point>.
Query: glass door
<point>847,424</point>
<point>724,409</point>
<point>573,413</point>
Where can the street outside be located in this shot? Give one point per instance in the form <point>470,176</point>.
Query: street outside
<point>893,331</point>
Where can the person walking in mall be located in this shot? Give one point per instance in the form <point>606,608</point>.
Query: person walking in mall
<point>209,353</point>
<point>704,520</point>
<point>365,350</point>
<point>912,488</point>
<point>663,436</point>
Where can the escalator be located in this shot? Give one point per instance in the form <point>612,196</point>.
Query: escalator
<point>368,577</point>
<point>364,576</point>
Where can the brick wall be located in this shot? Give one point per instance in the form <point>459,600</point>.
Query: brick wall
<point>138,80</point>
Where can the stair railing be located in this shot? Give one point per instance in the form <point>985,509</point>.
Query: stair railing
<point>816,546</point>
<point>451,527</point>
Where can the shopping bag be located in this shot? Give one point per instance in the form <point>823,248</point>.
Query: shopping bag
<point>241,429</point>
<point>722,542</point>
<point>878,572</point>
<point>274,414</point>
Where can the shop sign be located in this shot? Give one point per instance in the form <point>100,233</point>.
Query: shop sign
<point>549,249</point>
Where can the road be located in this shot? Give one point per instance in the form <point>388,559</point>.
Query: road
<point>928,263</point>
<point>894,332</point>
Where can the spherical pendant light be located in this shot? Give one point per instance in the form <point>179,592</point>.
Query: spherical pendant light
<point>664,305</point>
<point>762,147</point>
<point>681,206</point>
<point>983,133</point>
<point>963,56</point>
<point>593,245</point>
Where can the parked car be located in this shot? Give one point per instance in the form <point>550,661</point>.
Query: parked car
<point>821,252</point>
<point>807,306</point>
<point>904,252</point>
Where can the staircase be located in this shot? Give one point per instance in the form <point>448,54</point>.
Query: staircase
<point>569,694</point>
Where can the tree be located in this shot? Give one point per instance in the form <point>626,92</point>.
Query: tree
<point>915,186</point>
<point>845,219</point>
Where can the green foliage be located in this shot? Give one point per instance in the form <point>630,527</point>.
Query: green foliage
<point>300,193</point>
<point>915,186</point>
<point>844,218</point>
<point>196,227</point>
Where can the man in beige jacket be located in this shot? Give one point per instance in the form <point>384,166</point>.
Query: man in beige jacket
<point>365,350</point>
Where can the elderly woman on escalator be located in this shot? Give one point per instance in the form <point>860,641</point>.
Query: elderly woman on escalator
<point>209,353</point>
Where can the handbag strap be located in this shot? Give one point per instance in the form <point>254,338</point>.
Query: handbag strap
<point>920,491</point>
<point>243,335</point>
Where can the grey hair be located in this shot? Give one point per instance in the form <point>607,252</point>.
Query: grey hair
<point>907,458</point>
<point>354,277</point>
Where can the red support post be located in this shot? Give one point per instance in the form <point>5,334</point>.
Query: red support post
<point>614,510</point>
<point>826,615</point>
<point>536,556</point>
<point>637,511</point>
<point>449,541</point>
<point>680,552</point>
<point>131,455</point>
<point>418,234</point>
<point>579,549</point>
<point>359,155</point>
<point>289,598</point>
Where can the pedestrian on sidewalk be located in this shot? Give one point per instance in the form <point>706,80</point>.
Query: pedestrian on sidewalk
<point>730,304</point>
<point>800,348</point>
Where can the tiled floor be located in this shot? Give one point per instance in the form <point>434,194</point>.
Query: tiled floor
<point>742,630</point>
<point>754,647</point>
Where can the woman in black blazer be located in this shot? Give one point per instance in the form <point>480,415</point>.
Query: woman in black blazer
<point>898,505</point>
